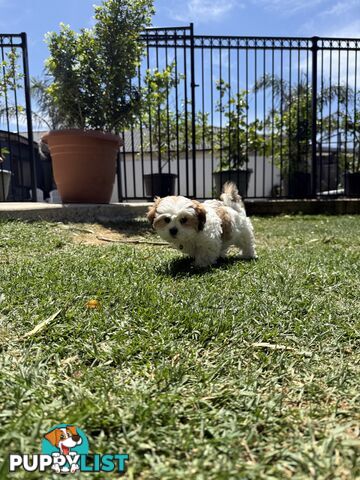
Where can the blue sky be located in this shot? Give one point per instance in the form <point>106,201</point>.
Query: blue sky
<point>222,17</point>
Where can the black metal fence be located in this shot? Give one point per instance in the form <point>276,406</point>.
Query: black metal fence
<point>280,116</point>
<point>17,153</point>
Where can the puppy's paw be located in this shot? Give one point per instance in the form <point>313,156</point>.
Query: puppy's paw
<point>204,262</point>
<point>247,256</point>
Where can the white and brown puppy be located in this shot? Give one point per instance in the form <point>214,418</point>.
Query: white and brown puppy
<point>204,231</point>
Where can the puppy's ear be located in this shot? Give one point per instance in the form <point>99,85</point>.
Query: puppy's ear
<point>52,437</point>
<point>152,210</point>
<point>72,429</point>
<point>200,213</point>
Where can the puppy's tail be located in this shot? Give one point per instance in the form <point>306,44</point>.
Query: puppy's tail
<point>231,198</point>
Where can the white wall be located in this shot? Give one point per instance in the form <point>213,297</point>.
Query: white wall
<point>264,176</point>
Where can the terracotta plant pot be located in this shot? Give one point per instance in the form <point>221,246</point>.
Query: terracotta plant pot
<point>84,164</point>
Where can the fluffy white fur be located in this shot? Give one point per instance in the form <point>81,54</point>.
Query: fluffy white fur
<point>204,231</point>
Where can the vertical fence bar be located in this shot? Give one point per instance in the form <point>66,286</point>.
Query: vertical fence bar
<point>356,94</point>
<point>159,139</point>
<point>203,115</point>
<point>330,111</point>
<point>314,74</point>
<point>150,126</point>
<point>237,101</point>
<point>308,107</point>
<point>125,168</point>
<point>133,155</point>
<point>118,168</point>
<point>256,114</point>
<point>230,145</point>
<point>264,120</point>
<point>272,116</point>
<point>141,138</point>
<point>186,116</point>
<point>169,142</point>
<point>346,104</point>
<point>299,92</point>
<point>229,109</point>
<point>29,116</point>
<point>290,191</point>
<point>338,129</point>
<point>321,172</point>
<point>212,115</point>
<point>221,116</point>
<point>8,129</point>
<point>193,107</point>
<point>177,114</point>
<point>281,118</point>
<point>247,109</point>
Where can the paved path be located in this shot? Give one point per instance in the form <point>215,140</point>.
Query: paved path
<point>117,211</point>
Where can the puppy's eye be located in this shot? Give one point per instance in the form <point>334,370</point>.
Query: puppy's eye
<point>167,220</point>
<point>183,220</point>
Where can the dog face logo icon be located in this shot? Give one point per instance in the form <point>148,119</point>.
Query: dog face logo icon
<point>65,443</point>
<point>64,438</point>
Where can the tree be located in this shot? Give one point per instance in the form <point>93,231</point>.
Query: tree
<point>89,73</point>
<point>237,138</point>
<point>10,81</point>
<point>289,124</point>
<point>168,126</point>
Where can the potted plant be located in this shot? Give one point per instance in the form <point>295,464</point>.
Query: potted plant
<point>91,94</point>
<point>289,129</point>
<point>290,144</point>
<point>235,141</point>
<point>159,121</point>
<point>167,128</point>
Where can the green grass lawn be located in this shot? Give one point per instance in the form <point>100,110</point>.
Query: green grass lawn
<point>169,368</point>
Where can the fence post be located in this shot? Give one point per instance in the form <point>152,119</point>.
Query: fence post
<point>193,111</point>
<point>29,116</point>
<point>118,171</point>
<point>314,50</point>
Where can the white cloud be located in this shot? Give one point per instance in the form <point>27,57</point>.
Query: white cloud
<point>289,7</point>
<point>349,30</point>
<point>205,10</point>
<point>330,62</point>
<point>339,21</point>
<point>341,7</point>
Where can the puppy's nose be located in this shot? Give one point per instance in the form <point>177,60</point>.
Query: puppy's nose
<point>173,231</point>
<point>76,438</point>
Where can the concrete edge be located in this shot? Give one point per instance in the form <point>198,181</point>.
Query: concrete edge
<point>90,213</point>
<point>346,206</point>
<point>87,213</point>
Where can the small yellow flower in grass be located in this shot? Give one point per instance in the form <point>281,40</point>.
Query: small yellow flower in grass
<point>93,303</point>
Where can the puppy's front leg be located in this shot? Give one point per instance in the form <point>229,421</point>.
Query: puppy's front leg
<point>205,260</point>
<point>207,253</point>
